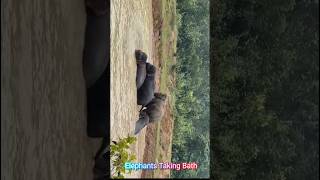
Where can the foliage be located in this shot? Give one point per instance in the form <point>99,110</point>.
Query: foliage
<point>265,89</point>
<point>191,126</point>
<point>120,155</point>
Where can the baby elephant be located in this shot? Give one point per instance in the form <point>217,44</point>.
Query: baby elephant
<point>145,92</point>
<point>102,165</point>
<point>154,112</point>
<point>141,59</point>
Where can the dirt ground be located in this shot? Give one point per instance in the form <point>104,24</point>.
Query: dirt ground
<point>136,25</point>
<point>43,125</point>
<point>159,136</point>
<point>131,29</point>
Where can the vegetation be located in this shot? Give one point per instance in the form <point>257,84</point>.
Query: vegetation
<point>265,89</point>
<point>191,125</point>
<point>119,156</point>
<point>164,24</point>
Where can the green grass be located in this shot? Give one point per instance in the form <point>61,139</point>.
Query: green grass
<point>166,51</point>
<point>168,12</point>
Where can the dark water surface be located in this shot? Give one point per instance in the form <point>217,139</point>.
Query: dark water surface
<point>43,125</point>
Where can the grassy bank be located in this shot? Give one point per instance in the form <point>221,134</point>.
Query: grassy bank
<point>159,137</point>
<point>167,61</point>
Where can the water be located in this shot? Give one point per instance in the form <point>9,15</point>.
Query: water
<point>43,125</point>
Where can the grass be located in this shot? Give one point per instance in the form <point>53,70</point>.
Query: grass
<point>167,43</point>
<point>167,49</point>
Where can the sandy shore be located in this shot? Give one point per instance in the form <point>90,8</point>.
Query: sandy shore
<point>131,28</point>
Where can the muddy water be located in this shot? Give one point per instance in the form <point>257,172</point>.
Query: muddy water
<point>131,28</point>
<point>42,91</point>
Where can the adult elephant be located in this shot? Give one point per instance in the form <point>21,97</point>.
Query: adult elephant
<point>96,67</point>
<point>96,54</point>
